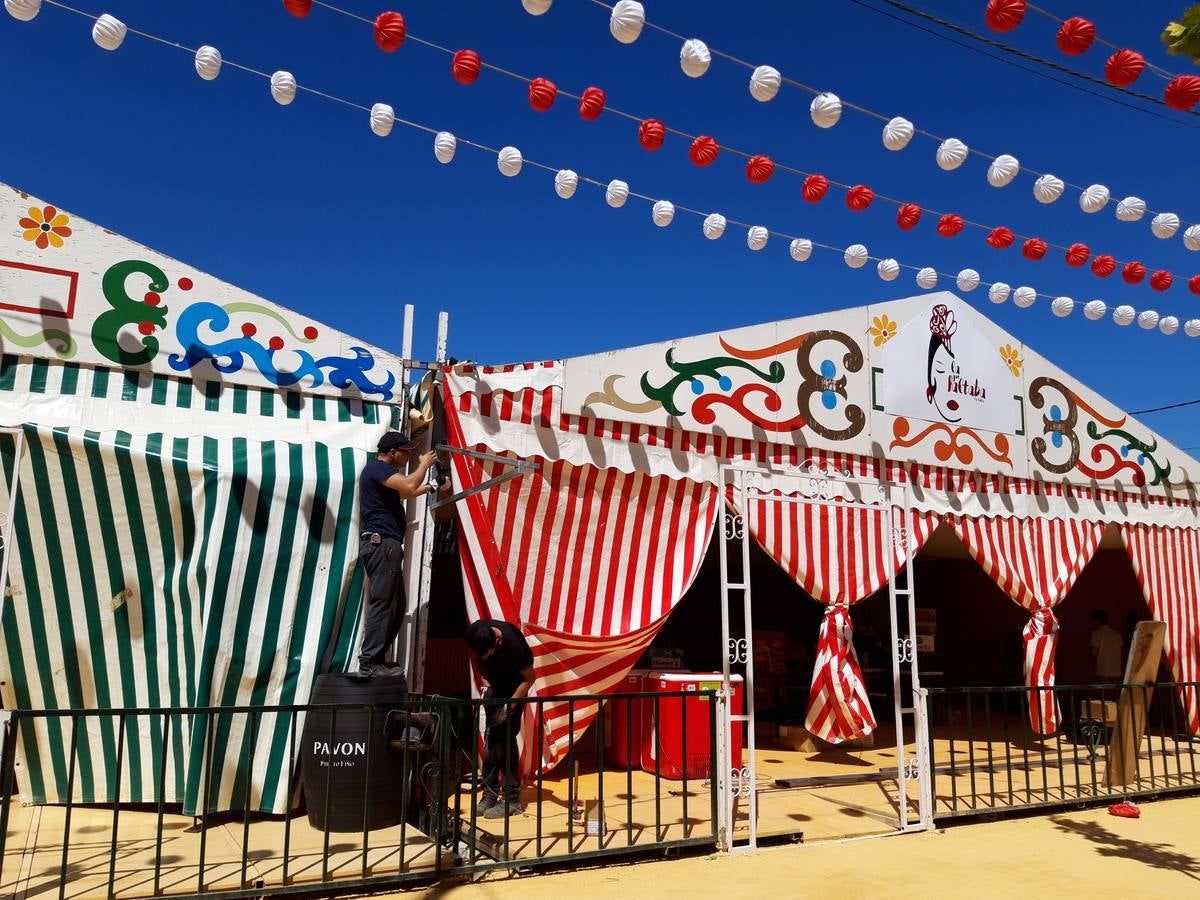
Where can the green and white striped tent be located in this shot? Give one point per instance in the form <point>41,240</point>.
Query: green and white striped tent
<point>175,541</point>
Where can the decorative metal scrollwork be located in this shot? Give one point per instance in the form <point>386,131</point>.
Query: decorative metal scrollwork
<point>739,780</point>
<point>912,768</point>
<point>904,649</point>
<point>900,537</point>
<point>738,651</point>
<point>735,527</point>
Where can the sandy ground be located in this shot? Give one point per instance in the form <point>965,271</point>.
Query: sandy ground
<point>1073,854</point>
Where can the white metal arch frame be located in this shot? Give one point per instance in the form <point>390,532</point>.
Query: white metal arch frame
<point>814,483</point>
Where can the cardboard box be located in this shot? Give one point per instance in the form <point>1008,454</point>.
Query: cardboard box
<point>1102,711</point>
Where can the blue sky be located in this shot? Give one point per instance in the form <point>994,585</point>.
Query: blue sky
<point>305,206</point>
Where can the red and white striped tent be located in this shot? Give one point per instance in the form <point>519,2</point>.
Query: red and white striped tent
<point>591,553</point>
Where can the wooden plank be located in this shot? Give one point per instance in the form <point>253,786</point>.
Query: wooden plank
<point>1141,667</point>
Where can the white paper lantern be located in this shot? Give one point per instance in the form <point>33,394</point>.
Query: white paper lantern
<point>888,269</point>
<point>1191,237</point>
<point>444,145</point>
<point>108,32</point>
<point>383,117</point>
<point>663,213</point>
<point>509,161</point>
<point>1164,225</point>
<point>1192,327</point>
<point>927,278</point>
<point>856,256</point>
<point>825,110</point>
<point>999,292</point>
<point>1003,170</point>
<point>967,280</point>
<point>714,226</point>
<point>764,83</point>
<point>565,180</point>
<point>536,7</point>
<point>208,62</point>
<point>1131,209</point>
<point>1024,296</point>
<point>616,193</point>
<point>1062,306</point>
<point>1095,309</point>
<point>1148,319</point>
<point>1048,188</point>
<point>1094,198</point>
<point>628,17</point>
<point>756,237</point>
<point>951,154</point>
<point>1124,315</point>
<point>23,10</point>
<point>1168,324</point>
<point>897,133</point>
<point>283,88</point>
<point>801,249</point>
<point>694,57</point>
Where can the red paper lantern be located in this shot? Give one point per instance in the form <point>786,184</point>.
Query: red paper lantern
<point>1001,238</point>
<point>1161,280</point>
<point>1034,248</point>
<point>1124,67</point>
<point>465,66</point>
<point>1004,15</point>
<point>1103,265</point>
<point>1078,254</point>
<point>859,197</point>
<point>651,133</point>
<point>1194,285</point>
<point>815,188</point>
<point>1183,92</point>
<point>298,8</point>
<point>1075,36</point>
<point>908,216</point>
<point>759,169</point>
<point>704,150</point>
<point>949,225</point>
<point>542,92</point>
<point>1133,272</point>
<point>591,104</point>
<point>389,31</point>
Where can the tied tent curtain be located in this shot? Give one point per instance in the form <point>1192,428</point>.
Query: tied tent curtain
<point>839,554</point>
<point>1167,564</point>
<point>1036,561</point>
<point>589,561</point>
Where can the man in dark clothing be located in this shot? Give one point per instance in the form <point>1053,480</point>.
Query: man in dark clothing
<point>382,490</point>
<point>507,663</point>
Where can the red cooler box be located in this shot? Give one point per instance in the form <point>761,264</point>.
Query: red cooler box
<point>670,725</point>
<point>623,725</point>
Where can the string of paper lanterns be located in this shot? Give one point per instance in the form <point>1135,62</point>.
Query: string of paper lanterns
<point>695,57</point>
<point>704,150</point>
<point>1075,37</point>
<point>510,162</point>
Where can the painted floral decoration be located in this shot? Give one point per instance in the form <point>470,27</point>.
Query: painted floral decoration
<point>45,227</point>
<point>882,330</point>
<point>1011,358</point>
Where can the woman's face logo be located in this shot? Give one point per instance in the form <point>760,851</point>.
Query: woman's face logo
<point>941,364</point>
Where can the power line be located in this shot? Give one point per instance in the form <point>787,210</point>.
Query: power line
<point>1138,412</point>
<point>966,32</point>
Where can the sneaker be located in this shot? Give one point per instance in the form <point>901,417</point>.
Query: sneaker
<point>379,670</point>
<point>504,810</point>
<point>486,803</point>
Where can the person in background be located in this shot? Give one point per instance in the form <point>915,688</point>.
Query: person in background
<point>1106,649</point>
<point>507,663</point>
<point>382,490</point>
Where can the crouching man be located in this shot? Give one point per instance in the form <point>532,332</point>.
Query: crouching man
<point>507,663</point>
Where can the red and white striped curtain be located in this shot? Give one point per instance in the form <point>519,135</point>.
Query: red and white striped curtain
<point>1167,564</point>
<point>839,555</point>
<point>588,560</point>
<point>1035,561</point>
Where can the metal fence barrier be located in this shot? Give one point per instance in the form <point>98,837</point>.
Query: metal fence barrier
<point>991,752</point>
<point>149,850</point>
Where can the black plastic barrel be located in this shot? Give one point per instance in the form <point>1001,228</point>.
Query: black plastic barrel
<point>336,748</point>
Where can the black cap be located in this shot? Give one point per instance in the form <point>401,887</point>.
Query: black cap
<point>394,440</point>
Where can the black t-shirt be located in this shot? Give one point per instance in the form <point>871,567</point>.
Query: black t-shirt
<point>380,508</point>
<point>503,667</point>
